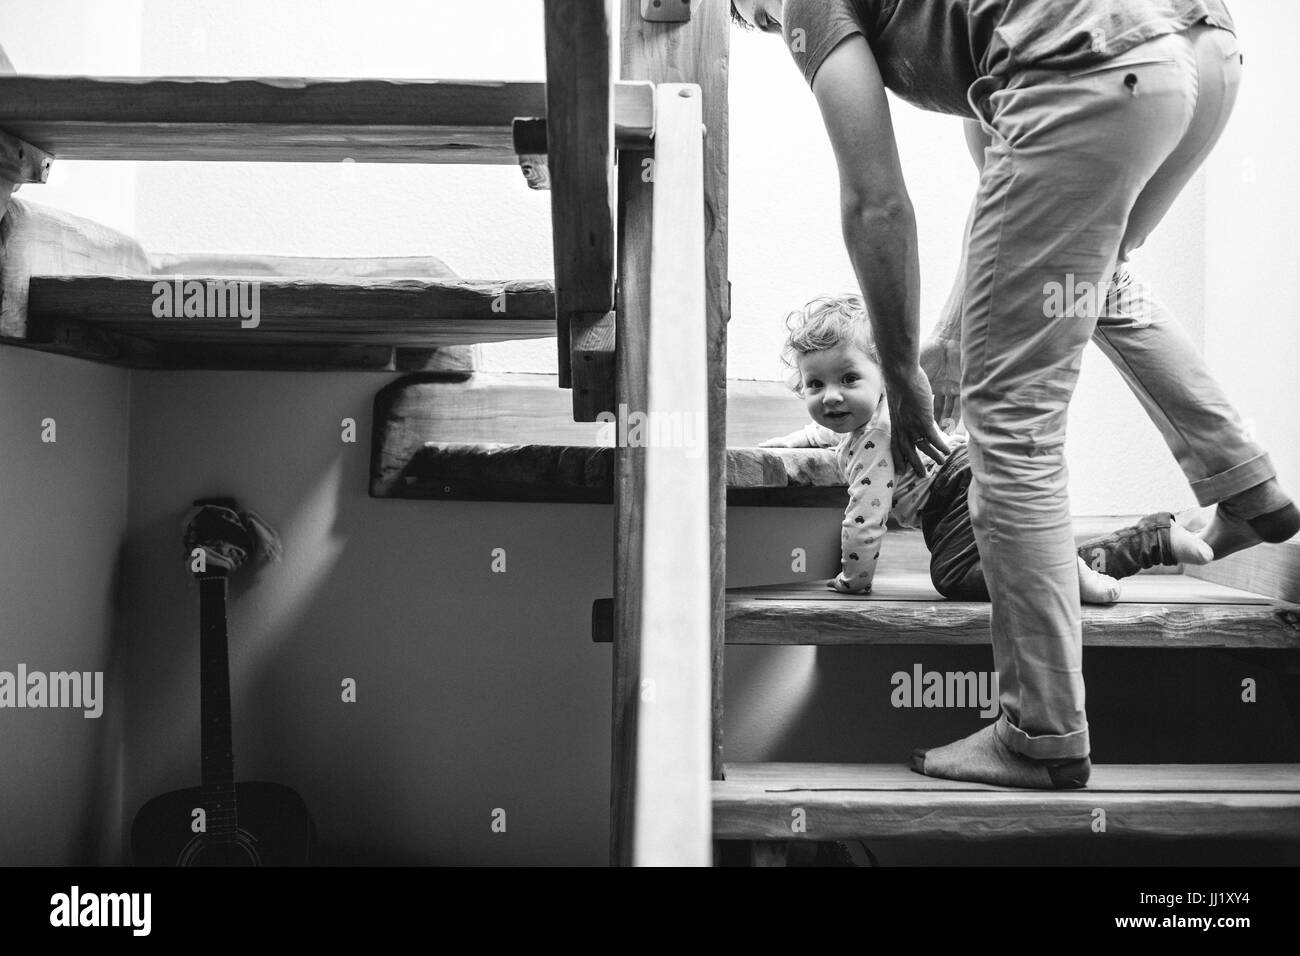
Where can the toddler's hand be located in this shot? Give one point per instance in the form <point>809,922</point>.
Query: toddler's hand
<point>773,443</point>
<point>838,584</point>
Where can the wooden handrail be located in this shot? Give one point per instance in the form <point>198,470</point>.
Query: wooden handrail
<point>672,821</point>
<point>654,770</point>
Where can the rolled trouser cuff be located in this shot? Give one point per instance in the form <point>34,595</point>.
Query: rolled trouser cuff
<point>1044,746</point>
<point>1234,481</point>
<point>1123,553</point>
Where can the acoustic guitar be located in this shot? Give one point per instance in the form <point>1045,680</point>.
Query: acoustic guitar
<point>221,822</point>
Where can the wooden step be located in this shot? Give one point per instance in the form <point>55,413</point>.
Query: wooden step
<point>487,471</point>
<point>113,318</point>
<point>280,119</point>
<point>472,432</point>
<point>863,801</point>
<point>1157,610</point>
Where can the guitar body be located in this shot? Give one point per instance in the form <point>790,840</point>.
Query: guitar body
<point>274,829</point>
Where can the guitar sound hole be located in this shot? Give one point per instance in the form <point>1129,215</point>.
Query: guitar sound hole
<point>206,853</point>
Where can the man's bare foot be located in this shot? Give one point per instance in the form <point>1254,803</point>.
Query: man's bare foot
<point>1095,587</point>
<point>1227,534</point>
<point>1263,513</point>
<point>982,758</point>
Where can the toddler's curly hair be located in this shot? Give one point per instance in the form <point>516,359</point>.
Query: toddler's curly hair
<point>825,323</point>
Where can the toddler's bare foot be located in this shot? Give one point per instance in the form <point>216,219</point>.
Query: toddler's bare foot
<point>982,758</point>
<point>1095,587</point>
<point>1188,548</point>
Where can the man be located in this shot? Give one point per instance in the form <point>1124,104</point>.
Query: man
<point>1086,120</point>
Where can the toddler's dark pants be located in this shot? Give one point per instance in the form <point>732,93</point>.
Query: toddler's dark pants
<point>955,567</point>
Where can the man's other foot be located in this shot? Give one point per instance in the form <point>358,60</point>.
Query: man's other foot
<point>981,758</point>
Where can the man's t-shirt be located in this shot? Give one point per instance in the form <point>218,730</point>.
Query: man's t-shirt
<point>931,51</point>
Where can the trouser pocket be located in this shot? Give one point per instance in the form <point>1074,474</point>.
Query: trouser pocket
<point>1121,63</point>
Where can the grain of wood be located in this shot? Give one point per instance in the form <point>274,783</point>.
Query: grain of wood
<point>267,119</point>
<point>1164,611</point>
<point>1159,801</point>
<point>312,312</point>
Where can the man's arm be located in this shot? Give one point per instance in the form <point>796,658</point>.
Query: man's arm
<point>880,234</point>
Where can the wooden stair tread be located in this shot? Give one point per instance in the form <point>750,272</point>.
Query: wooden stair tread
<point>1144,778</point>
<point>916,586</point>
<point>499,471</point>
<point>89,316</point>
<point>268,119</point>
<point>1157,610</point>
<point>890,801</point>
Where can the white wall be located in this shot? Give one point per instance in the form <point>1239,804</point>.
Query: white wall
<point>63,504</point>
<point>1252,274</point>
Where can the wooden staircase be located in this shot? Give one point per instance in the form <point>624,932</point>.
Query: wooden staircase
<point>635,151</point>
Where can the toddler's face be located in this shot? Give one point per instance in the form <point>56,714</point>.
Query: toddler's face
<point>842,387</point>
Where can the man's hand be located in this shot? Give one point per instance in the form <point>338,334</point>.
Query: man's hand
<point>941,362</point>
<point>911,415</point>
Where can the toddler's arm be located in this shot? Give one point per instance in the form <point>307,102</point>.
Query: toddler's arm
<point>871,483</point>
<point>811,435</point>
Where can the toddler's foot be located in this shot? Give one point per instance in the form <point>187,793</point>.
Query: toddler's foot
<point>1095,587</point>
<point>982,758</point>
<point>1188,548</point>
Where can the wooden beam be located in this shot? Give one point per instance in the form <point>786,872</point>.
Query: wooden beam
<point>632,314</point>
<point>267,119</point>
<point>310,312</point>
<point>580,152</point>
<point>672,822</point>
<point>1144,801</point>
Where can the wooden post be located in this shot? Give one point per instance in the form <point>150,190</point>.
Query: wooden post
<point>666,52</point>
<point>580,156</point>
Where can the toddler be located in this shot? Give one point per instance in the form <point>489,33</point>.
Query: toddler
<point>836,371</point>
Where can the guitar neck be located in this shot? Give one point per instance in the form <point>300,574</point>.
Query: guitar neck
<point>218,774</point>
